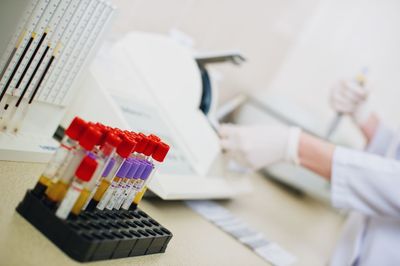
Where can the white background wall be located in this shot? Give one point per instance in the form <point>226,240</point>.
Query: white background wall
<point>295,48</point>
<point>341,38</point>
<point>263,30</point>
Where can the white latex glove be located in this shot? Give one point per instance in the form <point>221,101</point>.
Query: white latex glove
<point>350,98</point>
<point>262,145</point>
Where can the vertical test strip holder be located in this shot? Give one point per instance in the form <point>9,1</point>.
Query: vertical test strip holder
<point>73,25</point>
<point>97,235</point>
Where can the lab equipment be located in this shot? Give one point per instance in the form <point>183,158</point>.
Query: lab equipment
<point>49,35</point>
<point>95,151</point>
<point>149,104</point>
<point>94,236</point>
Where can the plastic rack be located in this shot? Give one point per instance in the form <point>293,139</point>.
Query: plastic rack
<point>97,235</point>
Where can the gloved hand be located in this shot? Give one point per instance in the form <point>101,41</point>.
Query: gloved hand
<point>350,98</point>
<point>262,145</point>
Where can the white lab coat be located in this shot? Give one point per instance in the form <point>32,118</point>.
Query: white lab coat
<point>368,185</point>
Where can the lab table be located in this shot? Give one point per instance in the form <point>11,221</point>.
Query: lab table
<point>302,225</point>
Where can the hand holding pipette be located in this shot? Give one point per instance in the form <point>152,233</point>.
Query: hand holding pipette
<point>349,98</point>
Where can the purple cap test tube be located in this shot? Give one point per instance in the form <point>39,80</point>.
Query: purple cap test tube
<point>147,170</point>
<point>124,169</point>
<point>134,167</point>
<point>142,166</point>
<point>109,166</point>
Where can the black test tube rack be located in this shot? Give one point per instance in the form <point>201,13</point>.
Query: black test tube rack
<point>97,235</point>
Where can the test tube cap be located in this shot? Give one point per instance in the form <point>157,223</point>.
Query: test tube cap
<point>147,170</point>
<point>150,147</point>
<point>112,139</point>
<point>76,128</point>
<point>134,167</point>
<point>160,152</point>
<point>142,143</point>
<point>90,138</point>
<point>124,169</point>
<point>104,130</point>
<point>126,147</point>
<point>154,137</point>
<point>86,168</point>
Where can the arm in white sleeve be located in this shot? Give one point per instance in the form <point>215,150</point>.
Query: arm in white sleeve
<point>364,182</point>
<point>381,140</point>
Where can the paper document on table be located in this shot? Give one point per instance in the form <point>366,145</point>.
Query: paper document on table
<point>256,241</point>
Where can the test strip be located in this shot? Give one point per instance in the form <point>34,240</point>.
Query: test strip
<point>61,34</point>
<point>54,31</point>
<point>99,27</point>
<point>29,55</point>
<point>38,28</point>
<point>41,32</point>
<point>23,44</point>
<point>17,38</point>
<point>21,37</point>
<point>66,56</point>
<point>40,52</point>
<point>64,43</point>
<point>79,50</point>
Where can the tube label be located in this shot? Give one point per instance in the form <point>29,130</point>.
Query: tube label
<point>69,200</point>
<point>107,196</point>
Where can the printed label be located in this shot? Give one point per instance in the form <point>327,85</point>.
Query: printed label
<point>106,198</point>
<point>69,200</point>
<point>91,195</point>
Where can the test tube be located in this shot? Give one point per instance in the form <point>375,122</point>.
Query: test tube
<point>130,184</point>
<point>91,203</point>
<point>119,189</point>
<point>135,183</point>
<point>123,184</point>
<point>89,139</point>
<point>106,200</point>
<point>139,184</point>
<point>158,155</point>
<point>123,151</point>
<point>83,174</point>
<point>103,157</point>
<point>69,141</point>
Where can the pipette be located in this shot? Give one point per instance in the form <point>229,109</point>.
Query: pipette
<point>360,79</point>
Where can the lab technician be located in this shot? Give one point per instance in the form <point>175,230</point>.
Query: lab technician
<point>365,183</point>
